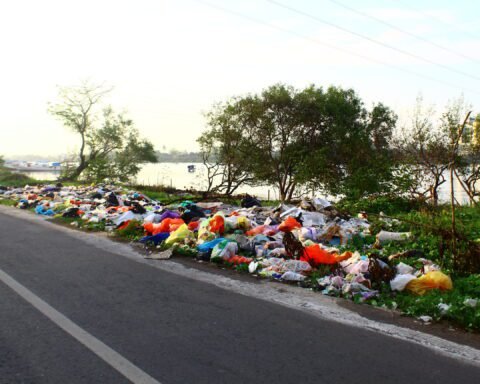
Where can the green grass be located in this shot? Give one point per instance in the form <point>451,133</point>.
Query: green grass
<point>7,202</point>
<point>431,229</point>
<point>133,231</point>
<point>459,312</point>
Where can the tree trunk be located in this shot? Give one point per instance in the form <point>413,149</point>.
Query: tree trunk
<point>81,166</point>
<point>452,205</point>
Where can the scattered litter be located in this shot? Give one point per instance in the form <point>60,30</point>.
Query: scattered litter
<point>426,320</point>
<point>470,302</point>
<point>165,255</point>
<point>303,243</point>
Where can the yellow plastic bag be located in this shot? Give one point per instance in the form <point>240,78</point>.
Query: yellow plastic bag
<point>243,223</point>
<point>179,235</point>
<point>204,234</point>
<point>431,280</point>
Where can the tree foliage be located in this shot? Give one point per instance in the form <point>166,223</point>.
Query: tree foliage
<point>111,147</point>
<point>293,139</point>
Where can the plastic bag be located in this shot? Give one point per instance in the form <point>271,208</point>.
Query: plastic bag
<point>217,224</point>
<point>179,235</point>
<point>225,249</point>
<point>289,224</point>
<point>169,215</point>
<point>240,260</point>
<point>193,225</point>
<point>431,280</point>
<point>404,269</point>
<point>170,225</point>
<point>399,282</point>
<point>204,235</point>
<point>237,222</point>
<point>167,225</point>
<point>384,237</point>
<point>268,230</point>
<point>209,245</point>
<point>292,276</point>
<point>315,255</point>
<point>155,239</point>
<point>296,266</point>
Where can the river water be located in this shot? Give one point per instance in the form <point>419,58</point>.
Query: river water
<point>177,175</point>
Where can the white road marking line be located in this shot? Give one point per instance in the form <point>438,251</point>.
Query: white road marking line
<point>114,359</point>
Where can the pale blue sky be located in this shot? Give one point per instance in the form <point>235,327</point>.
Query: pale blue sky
<point>170,60</point>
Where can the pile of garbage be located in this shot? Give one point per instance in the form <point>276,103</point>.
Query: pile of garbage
<point>310,242</point>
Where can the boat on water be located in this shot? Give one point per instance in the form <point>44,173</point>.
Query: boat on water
<point>34,166</point>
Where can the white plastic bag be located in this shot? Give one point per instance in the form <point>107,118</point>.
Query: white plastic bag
<point>400,282</point>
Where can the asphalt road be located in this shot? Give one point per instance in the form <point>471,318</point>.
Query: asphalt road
<point>177,330</point>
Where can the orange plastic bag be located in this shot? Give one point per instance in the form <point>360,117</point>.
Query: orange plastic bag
<point>170,225</point>
<point>289,224</point>
<point>255,231</point>
<point>167,225</point>
<point>315,255</point>
<point>431,280</point>
<point>151,228</point>
<point>217,224</point>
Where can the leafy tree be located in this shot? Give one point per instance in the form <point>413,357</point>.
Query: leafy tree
<point>292,138</point>
<point>272,135</point>
<point>110,145</point>
<point>349,146</point>
<point>224,151</point>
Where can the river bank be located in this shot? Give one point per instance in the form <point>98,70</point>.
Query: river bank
<point>177,175</point>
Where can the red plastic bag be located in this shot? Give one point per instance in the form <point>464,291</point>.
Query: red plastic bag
<point>315,255</point>
<point>239,260</point>
<point>193,225</point>
<point>216,224</point>
<point>124,225</point>
<point>289,224</point>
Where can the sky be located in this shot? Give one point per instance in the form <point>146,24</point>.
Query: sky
<point>170,61</point>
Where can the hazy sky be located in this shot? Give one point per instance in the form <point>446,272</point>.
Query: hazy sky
<point>170,60</point>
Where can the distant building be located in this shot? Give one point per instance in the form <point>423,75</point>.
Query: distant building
<point>471,133</point>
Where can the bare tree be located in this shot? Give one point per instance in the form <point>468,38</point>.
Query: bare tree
<point>210,161</point>
<point>424,152</point>
<point>111,147</point>
<point>77,111</point>
<point>468,171</point>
